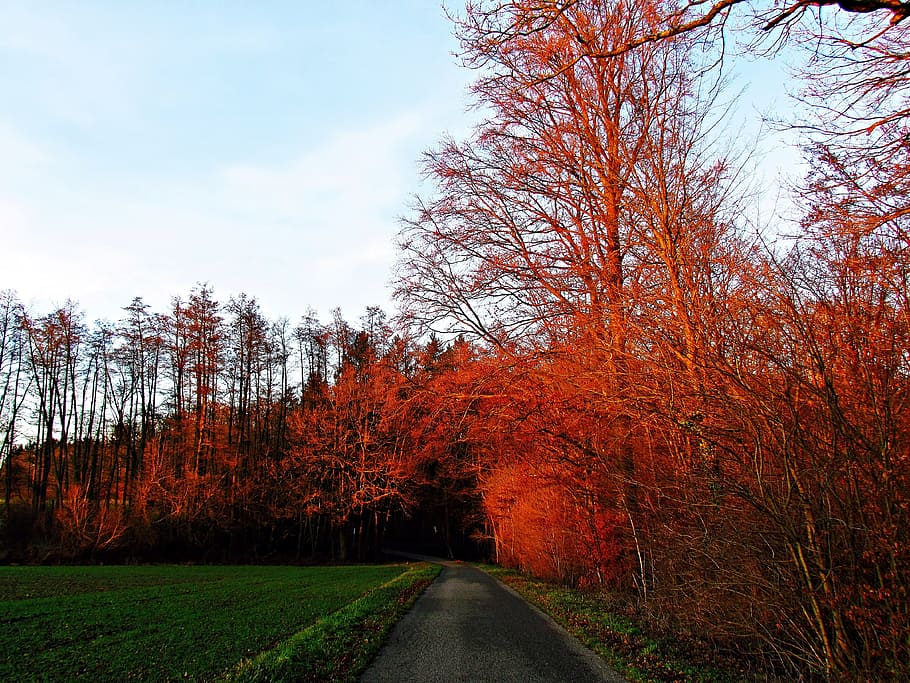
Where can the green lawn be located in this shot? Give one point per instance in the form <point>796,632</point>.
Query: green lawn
<point>195,623</point>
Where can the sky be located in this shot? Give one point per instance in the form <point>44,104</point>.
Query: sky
<point>265,148</point>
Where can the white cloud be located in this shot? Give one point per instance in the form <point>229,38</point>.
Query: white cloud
<point>353,174</point>
<point>317,230</point>
<point>47,271</point>
<point>331,212</point>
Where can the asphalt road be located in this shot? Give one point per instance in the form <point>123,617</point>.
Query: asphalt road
<point>469,627</point>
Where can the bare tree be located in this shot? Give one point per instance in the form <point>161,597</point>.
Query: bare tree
<point>14,384</point>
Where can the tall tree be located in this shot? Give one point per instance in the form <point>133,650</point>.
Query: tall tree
<point>14,384</point>
<point>54,344</point>
<point>586,200</point>
<point>205,337</point>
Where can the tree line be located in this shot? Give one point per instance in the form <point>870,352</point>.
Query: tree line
<point>208,432</point>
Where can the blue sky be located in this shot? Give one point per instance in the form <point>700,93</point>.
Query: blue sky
<point>265,148</point>
<point>262,147</point>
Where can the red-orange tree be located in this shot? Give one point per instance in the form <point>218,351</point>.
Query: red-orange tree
<point>660,373</point>
<point>588,197</point>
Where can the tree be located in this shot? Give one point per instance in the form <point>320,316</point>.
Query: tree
<point>54,345</point>
<point>584,203</point>
<point>205,337</point>
<point>248,344</point>
<point>842,302</point>
<point>854,75</point>
<point>506,21</point>
<point>349,449</point>
<point>139,357</point>
<point>312,346</point>
<point>730,403</point>
<point>14,384</point>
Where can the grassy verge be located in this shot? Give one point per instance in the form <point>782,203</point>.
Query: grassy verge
<point>167,623</point>
<point>628,647</point>
<point>340,646</point>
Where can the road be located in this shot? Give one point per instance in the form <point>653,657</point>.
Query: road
<point>469,627</point>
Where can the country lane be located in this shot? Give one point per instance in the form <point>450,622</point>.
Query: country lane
<point>469,627</point>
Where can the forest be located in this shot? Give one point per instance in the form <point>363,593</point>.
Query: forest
<point>210,433</point>
<point>603,373</point>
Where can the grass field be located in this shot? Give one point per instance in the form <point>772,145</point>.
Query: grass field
<point>163,623</point>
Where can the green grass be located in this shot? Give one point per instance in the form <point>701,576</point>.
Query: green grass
<point>625,645</point>
<point>185,623</point>
<point>339,647</point>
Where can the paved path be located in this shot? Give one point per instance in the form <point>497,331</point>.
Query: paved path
<point>468,627</point>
